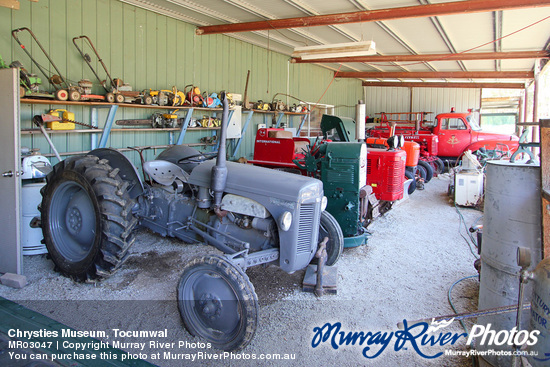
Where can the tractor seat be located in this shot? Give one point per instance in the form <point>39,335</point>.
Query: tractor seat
<point>164,172</point>
<point>280,134</point>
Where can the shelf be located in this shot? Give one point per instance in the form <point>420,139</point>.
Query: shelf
<point>105,104</point>
<point>147,129</point>
<point>283,112</point>
<point>110,120</point>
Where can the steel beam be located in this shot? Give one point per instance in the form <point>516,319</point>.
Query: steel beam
<point>430,10</point>
<point>445,85</point>
<point>438,75</point>
<point>430,57</point>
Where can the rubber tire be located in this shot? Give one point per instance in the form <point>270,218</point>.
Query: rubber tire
<point>147,100</point>
<point>105,193</point>
<point>119,98</point>
<point>412,186</point>
<point>74,95</point>
<point>428,168</point>
<point>236,281</point>
<point>421,172</point>
<point>330,227</point>
<point>110,97</point>
<point>440,165</point>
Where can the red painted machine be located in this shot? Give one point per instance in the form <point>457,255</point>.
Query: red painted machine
<point>386,173</point>
<point>385,168</point>
<point>412,163</point>
<point>447,137</point>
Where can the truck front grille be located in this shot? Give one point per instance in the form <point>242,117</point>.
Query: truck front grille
<point>305,229</point>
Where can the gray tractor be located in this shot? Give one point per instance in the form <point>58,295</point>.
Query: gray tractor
<point>91,205</point>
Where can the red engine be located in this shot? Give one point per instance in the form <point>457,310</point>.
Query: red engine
<point>386,173</point>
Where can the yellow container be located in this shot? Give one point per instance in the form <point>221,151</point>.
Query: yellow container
<point>65,124</point>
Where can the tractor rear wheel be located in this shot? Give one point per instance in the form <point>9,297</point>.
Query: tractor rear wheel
<point>86,218</point>
<point>218,302</point>
<point>330,228</point>
<point>428,168</point>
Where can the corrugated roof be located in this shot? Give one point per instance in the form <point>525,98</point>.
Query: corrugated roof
<point>445,34</point>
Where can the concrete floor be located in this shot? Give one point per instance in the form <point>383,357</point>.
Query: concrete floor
<point>413,257</point>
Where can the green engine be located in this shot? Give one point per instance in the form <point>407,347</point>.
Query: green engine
<point>343,169</point>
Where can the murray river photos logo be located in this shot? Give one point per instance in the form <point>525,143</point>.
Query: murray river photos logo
<point>419,336</point>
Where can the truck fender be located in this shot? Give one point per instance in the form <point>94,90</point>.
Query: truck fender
<point>491,144</point>
<point>127,170</point>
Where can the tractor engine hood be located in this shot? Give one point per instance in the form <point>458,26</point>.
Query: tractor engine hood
<point>244,178</point>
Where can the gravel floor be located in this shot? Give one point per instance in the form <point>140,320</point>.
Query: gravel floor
<point>413,257</point>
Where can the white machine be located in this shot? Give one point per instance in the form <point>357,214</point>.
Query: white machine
<point>34,168</point>
<point>468,182</point>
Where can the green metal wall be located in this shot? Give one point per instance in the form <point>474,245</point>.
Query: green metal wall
<point>148,50</point>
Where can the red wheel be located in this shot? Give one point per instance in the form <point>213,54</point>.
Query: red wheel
<point>62,95</point>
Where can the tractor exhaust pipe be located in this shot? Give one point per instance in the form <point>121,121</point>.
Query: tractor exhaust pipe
<point>219,171</point>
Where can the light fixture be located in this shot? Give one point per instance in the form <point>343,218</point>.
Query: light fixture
<point>348,49</point>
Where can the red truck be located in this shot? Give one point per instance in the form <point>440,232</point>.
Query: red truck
<point>448,136</point>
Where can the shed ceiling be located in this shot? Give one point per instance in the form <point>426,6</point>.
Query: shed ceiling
<point>511,30</point>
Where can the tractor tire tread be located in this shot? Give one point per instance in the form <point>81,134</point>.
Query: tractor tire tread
<point>117,222</point>
<point>250,298</point>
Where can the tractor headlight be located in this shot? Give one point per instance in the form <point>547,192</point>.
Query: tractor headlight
<point>324,202</point>
<point>285,221</point>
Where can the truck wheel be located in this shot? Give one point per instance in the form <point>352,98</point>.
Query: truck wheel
<point>439,165</point>
<point>412,186</point>
<point>330,228</point>
<point>429,170</point>
<point>218,303</point>
<point>86,218</point>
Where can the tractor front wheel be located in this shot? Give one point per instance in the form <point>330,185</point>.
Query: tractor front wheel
<point>86,218</point>
<point>428,168</point>
<point>218,303</point>
<point>412,187</point>
<point>330,228</point>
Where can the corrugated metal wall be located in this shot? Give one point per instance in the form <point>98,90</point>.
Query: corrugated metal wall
<point>149,50</point>
<point>436,100</point>
<point>439,100</point>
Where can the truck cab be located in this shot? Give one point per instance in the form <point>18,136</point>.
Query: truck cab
<point>458,132</point>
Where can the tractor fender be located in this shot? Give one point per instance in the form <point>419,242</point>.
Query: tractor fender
<point>127,170</point>
<point>513,145</point>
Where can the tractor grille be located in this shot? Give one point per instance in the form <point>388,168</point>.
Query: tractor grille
<point>305,229</point>
<point>395,177</point>
<point>341,174</point>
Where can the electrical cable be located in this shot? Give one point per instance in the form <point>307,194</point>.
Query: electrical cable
<point>471,49</point>
<point>472,240</point>
<point>329,84</point>
<point>449,298</point>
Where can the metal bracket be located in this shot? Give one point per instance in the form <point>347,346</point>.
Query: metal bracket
<point>256,258</point>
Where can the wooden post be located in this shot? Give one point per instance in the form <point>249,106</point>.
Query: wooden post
<point>545,184</point>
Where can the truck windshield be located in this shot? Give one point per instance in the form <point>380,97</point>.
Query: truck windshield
<point>473,123</point>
